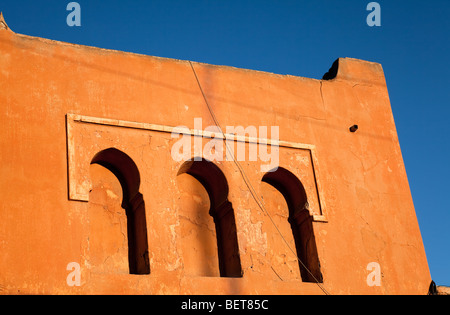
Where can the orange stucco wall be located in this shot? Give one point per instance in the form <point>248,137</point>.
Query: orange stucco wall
<point>356,181</point>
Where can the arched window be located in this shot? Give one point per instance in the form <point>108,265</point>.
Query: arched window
<point>126,171</point>
<point>215,184</point>
<point>300,220</point>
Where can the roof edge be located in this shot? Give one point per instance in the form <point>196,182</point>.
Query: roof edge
<point>348,69</point>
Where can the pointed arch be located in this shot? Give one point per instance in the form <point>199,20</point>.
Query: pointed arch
<point>126,171</point>
<point>300,220</point>
<point>215,183</point>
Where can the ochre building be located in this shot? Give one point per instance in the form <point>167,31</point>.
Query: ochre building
<point>102,191</point>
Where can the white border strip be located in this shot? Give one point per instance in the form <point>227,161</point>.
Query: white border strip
<point>193,132</point>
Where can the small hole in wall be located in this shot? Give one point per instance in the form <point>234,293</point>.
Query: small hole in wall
<point>354,128</point>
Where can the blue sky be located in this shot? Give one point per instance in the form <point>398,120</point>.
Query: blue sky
<point>300,38</point>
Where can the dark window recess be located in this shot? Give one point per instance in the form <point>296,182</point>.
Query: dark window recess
<point>123,167</point>
<point>300,220</point>
<point>215,183</point>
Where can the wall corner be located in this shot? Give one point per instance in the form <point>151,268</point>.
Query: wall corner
<point>356,71</point>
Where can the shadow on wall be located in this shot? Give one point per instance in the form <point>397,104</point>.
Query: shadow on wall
<point>211,183</point>
<point>300,220</point>
<point>215,183</point>
<point>196,230</point>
